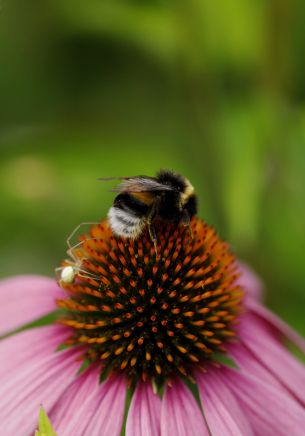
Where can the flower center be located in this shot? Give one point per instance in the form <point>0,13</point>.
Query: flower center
<point>152,315</point>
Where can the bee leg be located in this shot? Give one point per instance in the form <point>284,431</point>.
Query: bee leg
<point>151,229</point>
<point>185,219</point>
<point>153,236</point>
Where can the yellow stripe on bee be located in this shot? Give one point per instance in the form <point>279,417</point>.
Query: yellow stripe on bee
<point>145,197</point>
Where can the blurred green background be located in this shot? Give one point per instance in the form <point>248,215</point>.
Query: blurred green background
<point>214,90</point>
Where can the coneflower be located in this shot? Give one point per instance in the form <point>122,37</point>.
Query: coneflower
<point>175,340</point>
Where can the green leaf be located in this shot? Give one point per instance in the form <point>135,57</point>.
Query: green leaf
<point>224,360</point>
<point>44,426</point>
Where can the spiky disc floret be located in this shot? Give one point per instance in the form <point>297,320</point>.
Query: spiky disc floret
<point>153,315</point>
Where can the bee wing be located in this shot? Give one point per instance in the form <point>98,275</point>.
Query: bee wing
<point>106,179</point>
<point>138,184</point>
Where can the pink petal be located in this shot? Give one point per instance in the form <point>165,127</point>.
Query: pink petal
<point>30,344</point>
<point>250,282</point>
<point>248,362</point>
<point>70,414</point>
<point>144,412</point>
<point>89,408</point>
<point>269,410</point>
<point>276,322</point>
<point>221,409</point>
<point>24,299</point>
<point>38,379</point>
<point>180,414</point>
<point>109,404</point>
<point>254,334</point>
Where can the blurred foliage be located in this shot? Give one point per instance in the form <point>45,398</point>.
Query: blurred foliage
<point>214,90</point>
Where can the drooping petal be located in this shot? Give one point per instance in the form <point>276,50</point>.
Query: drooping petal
<point>180,413</point>
<point>258,338</point>
<point>269,410</point>
<point>221,409</point>
<point>24,299</point>
<point>247,361</point>
<point>108,403</point>
<point>276,322</point>
<point>144,412</point>
<point>89,408</point>
<point>250,282</point>
<point>32,382</point>
<point>70,413</point>
<point>28,346</point>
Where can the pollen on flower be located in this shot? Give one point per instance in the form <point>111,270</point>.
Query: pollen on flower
<point>152,315</point>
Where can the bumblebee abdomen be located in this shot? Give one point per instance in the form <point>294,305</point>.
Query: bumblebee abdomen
<point>146,198</point>
<point>127,215</point>
<point>131,204</point>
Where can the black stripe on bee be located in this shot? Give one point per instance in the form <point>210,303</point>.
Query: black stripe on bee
<point>130,204</point>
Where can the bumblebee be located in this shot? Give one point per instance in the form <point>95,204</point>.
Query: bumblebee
<point>169,197</point>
